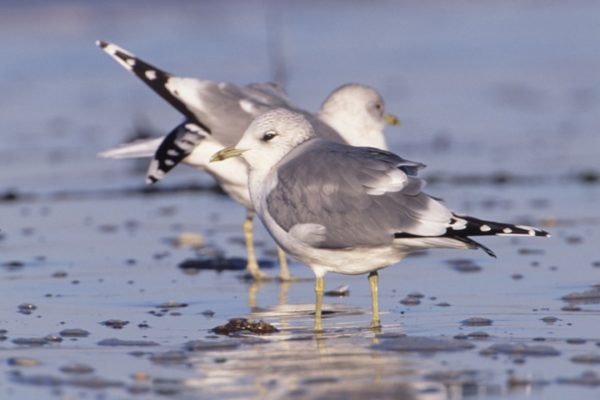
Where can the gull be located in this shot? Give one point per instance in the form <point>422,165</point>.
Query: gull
<point>344,209</point>
<point>216,115</point>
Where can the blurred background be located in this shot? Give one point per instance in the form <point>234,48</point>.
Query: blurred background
<point>501,100</point>
<point>481,87</point>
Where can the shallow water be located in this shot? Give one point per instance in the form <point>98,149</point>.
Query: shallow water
<point>500,103</point>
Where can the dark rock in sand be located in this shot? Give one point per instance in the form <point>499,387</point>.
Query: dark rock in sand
<point>340,291</point>
<point>114,342</point>
<point>169,357</point>
<point>77,369</point>
<point>75,332</point>
<point>30,341</point>
<point>23,362</point>
<point>586,297</point>
<point>550,320</point>
<point>520,350</point>
<point>114,323</point>
<point>586,359</point>
<point>212,345</point>
<point>53,338</point>
<point>208,313</point>
<point>479,335</point>
<point>172,304</point>
<point>26,308</point>
<point>410,301</point>
<point>477,321</point>
<point>220,264</point>
<point>242,324</point>
<point>576,341</point>
<point>464,265</point>
<point>422,344</point>
<point>587,378</point>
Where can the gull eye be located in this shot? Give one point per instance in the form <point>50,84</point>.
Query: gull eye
<point>268,136</point>
<point>378,106</point>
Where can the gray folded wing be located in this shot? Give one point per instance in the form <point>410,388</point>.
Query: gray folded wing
<point>336,196</point>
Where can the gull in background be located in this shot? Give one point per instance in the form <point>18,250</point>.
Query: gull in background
<point>345,209</point>
<point>217,114</point>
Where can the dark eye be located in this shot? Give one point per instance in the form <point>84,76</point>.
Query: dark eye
<point>378,106</point>
<point>268,136</point>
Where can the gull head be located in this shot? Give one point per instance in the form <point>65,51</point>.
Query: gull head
<point>357,113</point>
<point>269,138</point>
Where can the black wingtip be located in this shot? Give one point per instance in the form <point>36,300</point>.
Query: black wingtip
<point>101,43</point>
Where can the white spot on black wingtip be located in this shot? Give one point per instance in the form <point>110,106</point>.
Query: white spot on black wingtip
<point>150,74</point>
<point>506,230</point>
<point>130,61</point>
<point>485,228</point>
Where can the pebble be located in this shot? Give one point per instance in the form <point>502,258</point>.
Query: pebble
<point>520,350</point>
<point>340,291</point>
<point>443,304</point>
<point>571,308</point>
<point>26,308</point>
<point>114,323</point>
<point>30,341</point>
<point>422,344</point>
<point>212,345</point>
<point>172,304</point>
<point>587,378</point>
<point>77,369</point>
<point>586,359</point>
<point>119,342</point>
<point>242,324</point>
<point>169,357</point>
<point>588,295</point>
<point>479,335</point>
<point>477,321</point>
<point>410,301</point>
<point>576,341</point>
<point>549,320</point>
<point>75,332</point>
<point>23,362</point>
<point>464,265</point>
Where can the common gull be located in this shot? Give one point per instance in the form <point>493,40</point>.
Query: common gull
<point>216,115</point>
<point>351,210</point>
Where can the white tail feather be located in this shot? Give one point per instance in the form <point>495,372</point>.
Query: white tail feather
<point>144,148</point>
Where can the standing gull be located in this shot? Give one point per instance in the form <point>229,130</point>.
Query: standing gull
<point>351,210</point>
<point>216,115</point>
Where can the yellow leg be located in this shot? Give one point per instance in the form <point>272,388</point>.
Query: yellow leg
<point>252,265</point>
<point>319,289</point>
<point>284,270</point>
<point>374,282</point>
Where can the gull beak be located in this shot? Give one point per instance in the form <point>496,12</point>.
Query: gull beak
<point>391,119</point>
<point>227,152</point>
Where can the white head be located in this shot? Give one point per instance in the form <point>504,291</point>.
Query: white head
<point>357,113</point>
<point>269,138</point>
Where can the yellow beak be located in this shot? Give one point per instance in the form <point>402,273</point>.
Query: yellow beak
<point>227,152</point>
<point>391,119</point>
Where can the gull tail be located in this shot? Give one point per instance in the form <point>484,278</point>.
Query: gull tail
<point>461,227</point>
<point>173,149</point>
<point>144,148</point>
<point>155,78</point>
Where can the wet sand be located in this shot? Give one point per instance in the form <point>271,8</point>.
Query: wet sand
<point>101,292</point>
